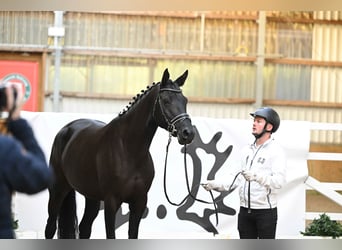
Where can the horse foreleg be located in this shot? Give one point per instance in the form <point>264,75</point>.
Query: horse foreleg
<point>91,211</point>
<point>110,208</point>
<point>136,211</point>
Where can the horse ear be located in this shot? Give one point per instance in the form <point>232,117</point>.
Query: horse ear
<point>180,80</point>
<point>166,76</point>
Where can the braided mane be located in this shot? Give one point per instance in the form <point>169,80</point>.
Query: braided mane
<point>137,98</point>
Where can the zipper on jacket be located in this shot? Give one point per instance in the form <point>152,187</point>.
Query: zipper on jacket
<point>249,182</point>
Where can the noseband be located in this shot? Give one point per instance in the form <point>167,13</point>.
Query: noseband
<point>170,122</point>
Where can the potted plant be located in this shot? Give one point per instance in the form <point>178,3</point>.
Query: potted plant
<point>323,226</point>
<point>15,223</point>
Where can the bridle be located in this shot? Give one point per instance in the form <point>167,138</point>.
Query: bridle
<point>171,123</point>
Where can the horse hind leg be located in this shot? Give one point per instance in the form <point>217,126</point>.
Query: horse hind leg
<point>91,211</point>
<point>57,195</point>
<point>61,208</point>
<point>53,210</point>
<point>59,192</point>
<point>67,219</point>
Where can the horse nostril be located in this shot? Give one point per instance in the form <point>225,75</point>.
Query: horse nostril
<point>187,133</point>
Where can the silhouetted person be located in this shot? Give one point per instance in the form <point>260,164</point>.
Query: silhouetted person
<point>23,167</point>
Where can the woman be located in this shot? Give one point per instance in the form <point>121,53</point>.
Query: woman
<point>23,166</point>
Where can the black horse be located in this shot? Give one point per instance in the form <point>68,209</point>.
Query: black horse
<point>111,162</point>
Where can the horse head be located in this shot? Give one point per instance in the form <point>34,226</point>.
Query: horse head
<point>170,111</point>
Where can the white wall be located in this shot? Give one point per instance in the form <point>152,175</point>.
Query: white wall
<point>31,211</point>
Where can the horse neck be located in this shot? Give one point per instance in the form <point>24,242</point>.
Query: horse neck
<point>138,124</point>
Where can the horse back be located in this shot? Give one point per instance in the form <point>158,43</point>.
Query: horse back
<point>64,136</point>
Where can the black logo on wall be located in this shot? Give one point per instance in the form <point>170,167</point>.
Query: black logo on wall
<point>202,220</point>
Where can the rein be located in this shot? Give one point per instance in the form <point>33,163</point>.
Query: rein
<point>187,183</point>
<point>172,131</point>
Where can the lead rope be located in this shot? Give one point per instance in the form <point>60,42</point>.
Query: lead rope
<point>166,195</point>
<point>189,191</point>
<point>187,183</point>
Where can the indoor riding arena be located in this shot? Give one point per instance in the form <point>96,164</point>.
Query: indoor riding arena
<point>201,72</point>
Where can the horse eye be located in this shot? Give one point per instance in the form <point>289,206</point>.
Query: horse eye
<point>167,102</point>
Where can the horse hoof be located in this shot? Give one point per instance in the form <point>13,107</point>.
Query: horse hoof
<point>49,233</point>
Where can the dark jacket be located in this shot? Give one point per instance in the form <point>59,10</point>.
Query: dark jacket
<point>23,168</point>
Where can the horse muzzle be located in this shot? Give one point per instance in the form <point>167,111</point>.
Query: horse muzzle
<point>181,127</point>
<point>185,135</point>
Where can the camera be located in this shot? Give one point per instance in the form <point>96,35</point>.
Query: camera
<point>3,95</point>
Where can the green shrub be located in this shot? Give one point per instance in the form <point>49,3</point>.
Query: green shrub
<point>15,223</point>
<point>323,226</point>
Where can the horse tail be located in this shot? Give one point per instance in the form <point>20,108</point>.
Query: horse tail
<point>67,219</point>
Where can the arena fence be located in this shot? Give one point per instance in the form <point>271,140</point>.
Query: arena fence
<point>328,189</point>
